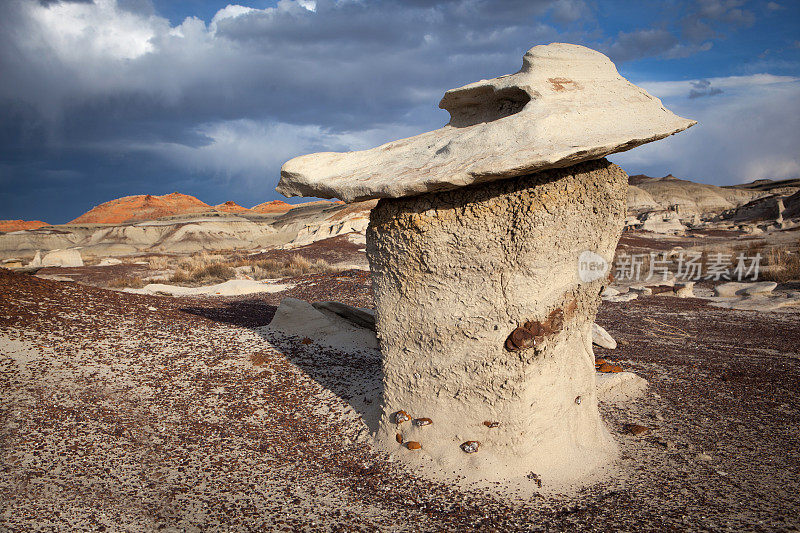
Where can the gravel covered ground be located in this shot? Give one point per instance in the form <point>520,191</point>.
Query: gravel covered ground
<point>124,412</point>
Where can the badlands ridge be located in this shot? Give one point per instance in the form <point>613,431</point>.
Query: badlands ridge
<point>180,223</point>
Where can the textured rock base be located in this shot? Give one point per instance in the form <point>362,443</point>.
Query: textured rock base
<point>454,273</point>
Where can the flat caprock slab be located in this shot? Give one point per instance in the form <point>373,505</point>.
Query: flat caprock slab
<point>566,105</point>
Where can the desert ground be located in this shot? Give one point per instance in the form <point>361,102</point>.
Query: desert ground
<point>127,409</point>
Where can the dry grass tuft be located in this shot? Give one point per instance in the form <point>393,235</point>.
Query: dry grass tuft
<point>204,267</point>
<point>161,262</point>
<point>781,265</point>
<point>213,271</point>
<point>127,282</point>
<point>297,265</point>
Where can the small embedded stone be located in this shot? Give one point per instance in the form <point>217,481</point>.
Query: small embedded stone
<point>578,400</point>
<point>471,446</point>
<point>489,424</point>
<point>556,320</point>
<point>636,429</point>
<point>399,438</point>
<point>306,340</point>
<point>522,338</point>
<point>401,416</point>
<point>534,327</point>
<point>422,422</point>
<point>605,367</point>
<point>545,329</point>
<point>413,445</point>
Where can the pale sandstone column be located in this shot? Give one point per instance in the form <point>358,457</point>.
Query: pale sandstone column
<point>474,250</point>
<point>454,274</point>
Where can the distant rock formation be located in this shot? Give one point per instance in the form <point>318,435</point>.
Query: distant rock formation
<point>207,230</point>
<point>685,197</point>
<point>63,258</point>
<point>142,207</point>
<point>16,225</point>
<point>230,207</point>
<point>275,206</point>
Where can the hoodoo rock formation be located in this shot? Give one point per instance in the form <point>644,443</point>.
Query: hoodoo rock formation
<point>483,316</point>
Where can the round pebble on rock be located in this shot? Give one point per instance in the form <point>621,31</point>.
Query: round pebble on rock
<point>413,445</point>
<point>401,416</point>
<point>471,446</point>
<point>422,422</point>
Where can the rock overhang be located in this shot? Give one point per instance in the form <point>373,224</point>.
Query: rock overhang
<point>566,105</point>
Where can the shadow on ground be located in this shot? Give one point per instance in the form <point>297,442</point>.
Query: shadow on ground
<point>355,377</point>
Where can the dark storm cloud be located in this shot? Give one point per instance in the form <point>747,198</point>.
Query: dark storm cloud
<point>346,65</point>
<point>48,3</point>
<point>702,88</point>
<point>114,94</point>
<point>688,33</point>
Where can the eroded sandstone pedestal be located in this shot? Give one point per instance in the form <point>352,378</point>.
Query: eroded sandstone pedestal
<point>454,274</point>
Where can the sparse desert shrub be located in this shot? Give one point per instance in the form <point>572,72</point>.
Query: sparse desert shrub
<point>204,267</point>
<point>160,262</point>
<point>751,248</point>
<point>213,271</point>
<point>180,276</point>
<point>133,282</point>
<point>200,260</point>
<point>781,265</point>
<point>300,262</point>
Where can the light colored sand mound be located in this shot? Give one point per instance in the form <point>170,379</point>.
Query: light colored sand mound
<point>234,287</point>
<point>692,197</point>
<point>640,200</point>
<point>301,319</point>
<point>734,288</point>
<point>63,258</point>
<point>619,386</point>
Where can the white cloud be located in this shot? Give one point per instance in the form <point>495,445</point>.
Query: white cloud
<point>75,30</point>
<point>749,131</point>
<point>231,11</point>
<point>669,89</point>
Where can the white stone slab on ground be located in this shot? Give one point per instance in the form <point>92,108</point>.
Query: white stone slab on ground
<point>234,287</point>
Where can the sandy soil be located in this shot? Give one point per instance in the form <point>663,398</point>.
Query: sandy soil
<point>127,412</point>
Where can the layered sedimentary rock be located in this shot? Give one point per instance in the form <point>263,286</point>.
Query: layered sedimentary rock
<point>484,307</point>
